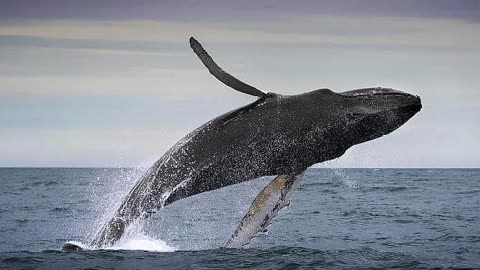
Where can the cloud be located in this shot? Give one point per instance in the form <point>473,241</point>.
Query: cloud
<point>164,82</point>
<point>332,30</point>
<point>247,10</point>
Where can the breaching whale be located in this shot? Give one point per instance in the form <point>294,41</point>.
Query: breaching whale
<point>275,135</point>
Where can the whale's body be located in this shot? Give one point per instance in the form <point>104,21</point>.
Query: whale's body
<point>275,135</point>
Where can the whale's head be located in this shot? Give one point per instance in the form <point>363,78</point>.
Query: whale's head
<point>373,112</point>
<point>359,115</point>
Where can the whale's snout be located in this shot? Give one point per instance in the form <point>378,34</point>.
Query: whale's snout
<point>417,104</point>
<point>375,112</point>
<point>408,106</point>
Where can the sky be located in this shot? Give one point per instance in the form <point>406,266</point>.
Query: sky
<point>115,83</point>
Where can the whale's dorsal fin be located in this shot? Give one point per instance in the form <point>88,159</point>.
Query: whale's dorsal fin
<point>220,74</point>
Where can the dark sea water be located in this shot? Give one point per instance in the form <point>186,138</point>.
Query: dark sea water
<point>338,218</point>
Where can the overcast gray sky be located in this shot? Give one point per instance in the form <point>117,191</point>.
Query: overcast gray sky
<point>114,83</point>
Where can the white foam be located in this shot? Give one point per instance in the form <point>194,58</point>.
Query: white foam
<point>143,244</point>
<point>141,241</point>
<point>137,242</point>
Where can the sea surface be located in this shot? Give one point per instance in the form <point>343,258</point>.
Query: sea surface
<point>337,219</point>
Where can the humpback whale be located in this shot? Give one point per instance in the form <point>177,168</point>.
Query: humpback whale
<point>276,134</point>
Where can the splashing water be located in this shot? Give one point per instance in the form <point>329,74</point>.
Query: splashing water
<point>345,178</point>
<point>134,239</point>
<point>107,193</point>
<point>141,242</point>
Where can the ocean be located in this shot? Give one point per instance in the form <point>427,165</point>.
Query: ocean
<point>337,219</point>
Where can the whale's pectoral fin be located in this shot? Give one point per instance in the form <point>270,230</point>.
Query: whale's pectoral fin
<point>264,208</point>
<point>220,74</point>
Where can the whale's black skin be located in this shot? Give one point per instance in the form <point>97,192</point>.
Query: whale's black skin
<point>275,135</point>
